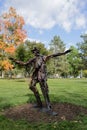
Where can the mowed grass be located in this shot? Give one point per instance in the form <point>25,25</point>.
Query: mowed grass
<point>69,90</point>
<point>13,92</point>
<point>16,92</point>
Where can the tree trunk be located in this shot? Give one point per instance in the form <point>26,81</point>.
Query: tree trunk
<point>2,74</point>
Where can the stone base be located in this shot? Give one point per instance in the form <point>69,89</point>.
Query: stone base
<point>49,112</point>
<point>45,110</point>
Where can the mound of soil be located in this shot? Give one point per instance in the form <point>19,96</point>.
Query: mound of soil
<point>65,111</point>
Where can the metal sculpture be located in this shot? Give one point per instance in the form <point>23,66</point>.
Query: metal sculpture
<point>40,75</point>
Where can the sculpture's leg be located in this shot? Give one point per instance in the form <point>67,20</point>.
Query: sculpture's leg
<point>36,93</point>
<point>44,88</point>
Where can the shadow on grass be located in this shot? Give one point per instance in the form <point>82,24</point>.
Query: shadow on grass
<point>82,82</point>
<point>85,82</point>
<point>4,104</point>
<point>19,80</point>
<point>32,99</point>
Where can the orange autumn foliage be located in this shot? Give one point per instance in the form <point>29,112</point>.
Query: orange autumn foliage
<point>6,65</point>
<point>11,49</point>
<point>11,35</point>
<point>13,27</point>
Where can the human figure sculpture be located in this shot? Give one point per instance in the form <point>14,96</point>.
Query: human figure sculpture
<point>40,75</point>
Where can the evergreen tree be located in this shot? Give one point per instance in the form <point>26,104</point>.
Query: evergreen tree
<point>59,64</point>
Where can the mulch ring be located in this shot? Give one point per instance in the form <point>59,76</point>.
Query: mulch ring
<point>65,111</point>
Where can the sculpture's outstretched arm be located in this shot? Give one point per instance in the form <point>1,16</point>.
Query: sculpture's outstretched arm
<point>57,54</point>
<point>21,62</point>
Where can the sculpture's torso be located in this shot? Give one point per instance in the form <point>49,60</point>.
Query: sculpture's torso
<point>40,71</point>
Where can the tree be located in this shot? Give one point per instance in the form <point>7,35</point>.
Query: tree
<point>12,24</point>
<point>23,53</point>
<point>11,35</point>
<point>74,61</point>
<point>59,64</point>
<point>83,50</point>
<point>82,46</point>
<point>30,45</point>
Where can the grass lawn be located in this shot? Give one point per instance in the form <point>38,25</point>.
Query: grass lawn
<point>16,92</point>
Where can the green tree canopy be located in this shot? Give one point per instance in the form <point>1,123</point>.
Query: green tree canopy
<point>23,53</point>
<point>59,65</point>
<point>74,61</point>
<point>83,50</point>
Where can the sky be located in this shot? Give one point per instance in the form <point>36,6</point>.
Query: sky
<point>46,18</point>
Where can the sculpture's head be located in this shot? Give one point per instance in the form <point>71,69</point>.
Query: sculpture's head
<point>35,51</point>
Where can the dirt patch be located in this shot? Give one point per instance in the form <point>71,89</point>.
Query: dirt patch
<point>65,111</point>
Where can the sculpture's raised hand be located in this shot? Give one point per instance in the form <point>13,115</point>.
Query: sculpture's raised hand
<point>67,51</point>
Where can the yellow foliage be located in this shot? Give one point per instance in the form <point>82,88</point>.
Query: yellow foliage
<point>2,44</point>
<point>6,65</point>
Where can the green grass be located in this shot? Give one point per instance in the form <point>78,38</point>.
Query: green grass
<point>13,92</point>
<point>8,124</point>
<point>16,92</point>
<point>69,90</point>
